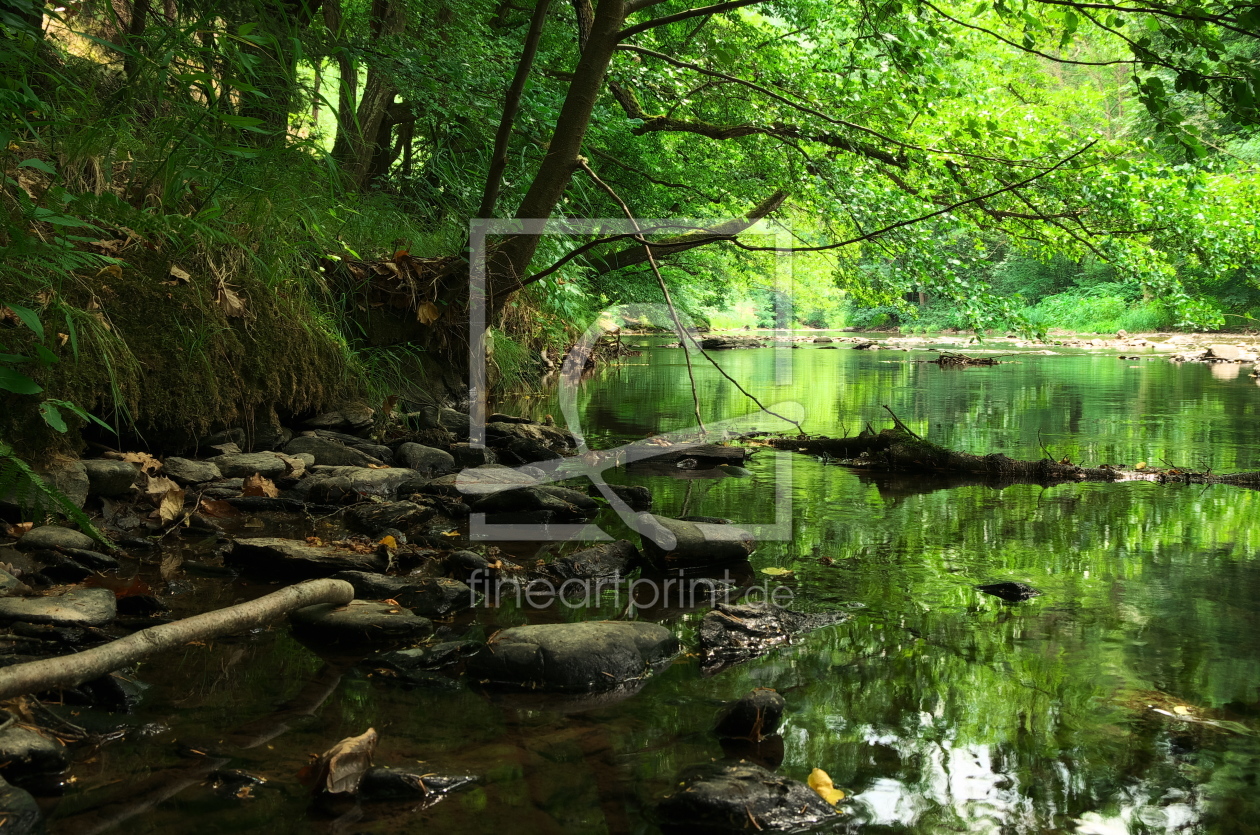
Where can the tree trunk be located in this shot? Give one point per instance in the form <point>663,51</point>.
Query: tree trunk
<point>276,74</point>
<point>133,41</point>
<point>510,263</point>
<point>359,137</point>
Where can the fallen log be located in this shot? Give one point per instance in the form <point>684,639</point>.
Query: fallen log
<point>948,359</point>
<point>71,670</point>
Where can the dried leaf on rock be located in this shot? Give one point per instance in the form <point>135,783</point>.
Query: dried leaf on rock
<point>258,485</point>
<point>147,462</point>
<point>159,487</point>
<point>217,509</point>
<point>341,767</point>
<point>171,505</point>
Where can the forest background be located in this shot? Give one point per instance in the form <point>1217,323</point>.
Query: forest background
<point>216,213</point>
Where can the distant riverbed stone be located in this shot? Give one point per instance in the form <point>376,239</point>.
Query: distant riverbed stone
<point>55,536</point>
<point>245,464</point>
<point>109,478</point>
<point>359,622</point>
<point>186,472</point>
<point>573,657</point>
<point>79,607</point>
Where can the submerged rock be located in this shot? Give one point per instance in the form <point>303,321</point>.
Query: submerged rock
<point>19,813</point>
<point>77,607</point>
<point>730,634</point>
<point>697,544</point>
<point>574,657</point>
<point>359,622</point>
<point>614,558</point>
<point>428,596</point>
<point>753,717</point>
<point>1011,592</point>
<point>275,557</point>
<point>25,753</point>
<point>724,797</point>
<point>374,517</point>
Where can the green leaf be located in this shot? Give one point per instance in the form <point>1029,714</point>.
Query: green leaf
<point>45,356</point>
<point>52,417</point>
<point>38,165</point>
<point>17,383</point>
<point>29,318</point>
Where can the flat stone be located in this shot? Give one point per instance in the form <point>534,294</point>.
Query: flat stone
<point>466,455</point>
<point>615,558</point>
<point>428,461</point>
<point>431,597</point>
<point>272,556</point>
<point>1235,353</point>
<point>529,499</point>
<point>246,464</point>
<point>71,479</point>
<point>380,783</point>
<point>11,586</point>
<point>740,797</point>
<point>54,536</point>
<point>636,498</point>
<point>186,472</point>
<point>574,657</point>
<point>360,622</point>
<point>457,423</point>
<point>25,752</point>
<point>730,634</point>
<point>78,607</point>
<point>329,453</point>
<point>337,485</point>
<point>346,419</point>
<point>94,560</point>
<point>19,812</point>
<point>110,478</point>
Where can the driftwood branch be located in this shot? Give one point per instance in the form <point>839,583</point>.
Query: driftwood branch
<point>68,671</point>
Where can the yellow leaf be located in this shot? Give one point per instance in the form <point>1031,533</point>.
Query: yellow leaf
<point>1141,465</point>
<point>427,313</point>
<point>1181,710</point>
<point>388,542</point>
<point>450,533</point>
<point>820,782</point>
<point>112,270</point>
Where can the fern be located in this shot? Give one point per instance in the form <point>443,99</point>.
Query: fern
<point>22,486</point>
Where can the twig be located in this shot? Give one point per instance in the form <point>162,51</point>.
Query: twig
<point>1044,448</point>
<point>902,426</point>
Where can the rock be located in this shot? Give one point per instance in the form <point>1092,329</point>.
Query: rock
<point>141,606</point>
<point>551,437</point>
<point>25,753</point>
<point>730,634</point>
<point>1122,334</point>
<point>615,558</point>
<point>753,717</point>
<point>457,423</point>
<point>822,339</point>
<point>1010,592</point>
<point>636,498</point>
<point>574,657</point>
<point>186,472</point>
<point>336,485</point>
<point>94,560</point>
<point>531,499</point>
<point>58,568</point>
<point>706,456</point>
<point>374,517</point>
<point>426,460</point>
<point>866,345</point>
<point>479,481</point>
<point>12,586</point>
<point>380,452</point>
<point>329,453</point>
<point>474,569</point>
<point>110,478</point>
<point>466,455</point>
<point>359,622</point>
<point>408,662</point>
<point>246,464</point>
<point>70,478</point>
<point>725,797</point>
<point>519,451</point>
<point>19,813</point>
<point>380,783</point>
<point>349,419</point>
<point>697,544</point>
<point>270,436</point>
<point>1233,353</point>
<point>726,343</point>
<point>275,557</point>
<point>54,537</point>
<point>429,596</point>
<point>78,607</point>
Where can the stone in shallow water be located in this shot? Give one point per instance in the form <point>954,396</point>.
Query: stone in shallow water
<point>380,783</point>
<point>753,717</point>
<point>724,797</point>
<point>246,464</point>
<point>573,657</point>
<point>730,634</point>
<point>109,478</point>
<point>373,517</point>
<point>272,556</point>
<point>19,813</point>
<point>79,607</point>
<point>359,622</point>
<point>25,753</point>
<point>1011,592</point>
<point>428,596</point>
<point>696,544</point>
<point>55,536</point>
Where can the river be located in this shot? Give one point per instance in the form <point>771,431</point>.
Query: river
<point>1124,699</point>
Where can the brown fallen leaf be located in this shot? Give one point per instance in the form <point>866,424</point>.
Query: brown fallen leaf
<point>147,462</point>
<point>170,566</point>
<point>180,276</point>
<point>258,485</point>
<point>341,767</point>
<point>378,466</point>
<point>388,542</point>
<point>158,487</point>
<point>171,505</point>
<point>232,305</point>
<point>315,541</point>
<point>217,509</point>
<point>427,313</point>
